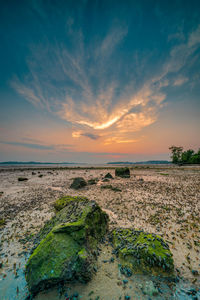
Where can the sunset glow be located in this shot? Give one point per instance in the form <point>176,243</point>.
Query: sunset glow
<point>77,89</point>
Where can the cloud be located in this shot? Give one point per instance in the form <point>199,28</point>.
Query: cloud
<point>78,134</point>
<point>113,38</point>
<point>27,145</point>
<point>81,85</point>
<point>180,81</point>
<point>119,140</point>
<point>38,146</point>
<point>91,135</point>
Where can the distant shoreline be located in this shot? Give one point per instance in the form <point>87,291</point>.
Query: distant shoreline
<point>149,162</point>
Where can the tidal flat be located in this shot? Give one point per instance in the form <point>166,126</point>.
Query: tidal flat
<point>164,200</point>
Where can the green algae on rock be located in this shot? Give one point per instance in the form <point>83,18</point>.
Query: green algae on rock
<point>62,202</point>
<point>122,172</point>
<point>2,222</point>
<point>142,252</point>
<point>68,244</point>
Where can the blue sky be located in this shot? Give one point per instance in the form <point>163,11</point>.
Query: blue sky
<point>97,81</point>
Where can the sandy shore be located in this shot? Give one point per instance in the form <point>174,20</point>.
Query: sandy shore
<point>159,200</point>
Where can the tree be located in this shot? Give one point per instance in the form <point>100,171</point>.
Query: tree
<point>176,154</point>
<point>187,156</point>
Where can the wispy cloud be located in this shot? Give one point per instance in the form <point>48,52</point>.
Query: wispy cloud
<point>29,145</point>
<point>63,80</point>
<point>78,134</point>
<point>119,140</point>
<point>38,146</point>
<point>180,81</point>
<point>113,38</point>
<point>91,135</point>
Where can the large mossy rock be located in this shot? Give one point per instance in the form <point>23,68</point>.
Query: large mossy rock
<point>142,252</point>
<point>122,172</point>
<point>78,183</point>
<point>67,244</point>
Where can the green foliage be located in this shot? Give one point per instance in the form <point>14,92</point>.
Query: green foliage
<point>179,156</point>
<point>176,154</point>
<point>2,222</point>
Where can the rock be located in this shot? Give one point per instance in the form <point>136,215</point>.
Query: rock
<point>78,183</point>
<point>33,173</point>
<point>195,272</point>
<point>64,201</point>
<point>108,175</point>
<point>66,244</point>
<point>142,252</point>
<point>40,176</point>
<point>110,187</point>
<point>105,180</point>
<point>122,172</point>
<point>92,181</point>
<point>22,179</point>
<point>149,289</point>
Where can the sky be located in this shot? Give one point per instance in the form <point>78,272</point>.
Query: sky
<point>98,81</point>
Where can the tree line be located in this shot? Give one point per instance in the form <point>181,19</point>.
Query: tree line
<point>179,156</point>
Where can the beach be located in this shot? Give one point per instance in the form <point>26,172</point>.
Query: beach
<point>164,200</point>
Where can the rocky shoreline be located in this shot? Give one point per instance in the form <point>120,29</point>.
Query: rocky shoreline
<point>163,202</point>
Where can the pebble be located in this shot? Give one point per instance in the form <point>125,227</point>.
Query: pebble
<point>125,281</point>
<point>195,272</point>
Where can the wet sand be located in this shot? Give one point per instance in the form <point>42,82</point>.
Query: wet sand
<point>162,200</point>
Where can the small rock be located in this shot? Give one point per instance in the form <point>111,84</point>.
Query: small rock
<point>92,181</point>
<point>108,175</point>
<point>79,182</point>
<point>122,172</point>
<point>195,272</point>
<point>22,179</point>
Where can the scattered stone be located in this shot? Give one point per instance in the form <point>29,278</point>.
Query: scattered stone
<point>92,181</point>
<point>67,244</point>
<point>78,183</point>
<point>108,175</point>
<point>105,180</point>
<point>125,281</point>
<point>110,187</point>
<point>22,179</point>
<point>195,272</point>
<point>122,172</point>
